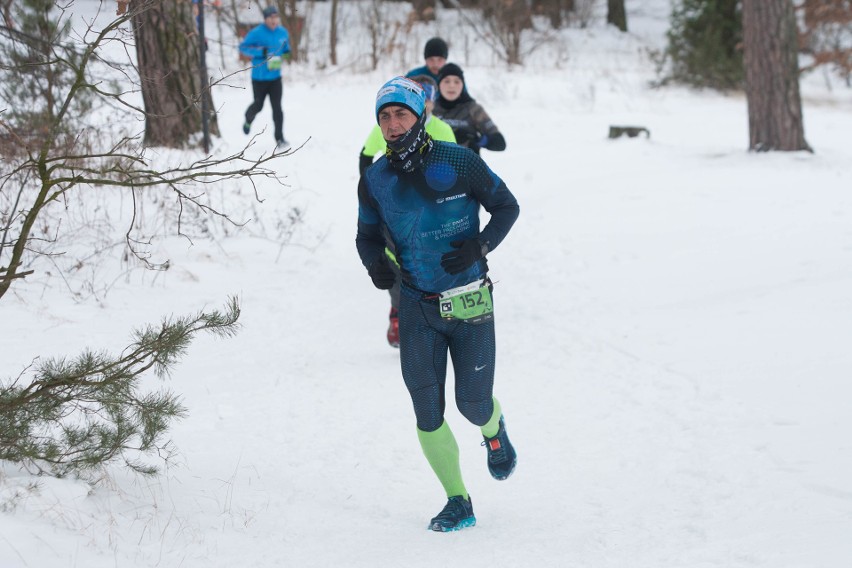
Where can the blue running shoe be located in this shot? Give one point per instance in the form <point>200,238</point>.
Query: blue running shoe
<point>502,458</point>
<point>246,127</point>
<point>458,514</point>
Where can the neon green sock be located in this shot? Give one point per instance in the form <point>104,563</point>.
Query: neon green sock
<point>490,428</point>
<point>442,453</point>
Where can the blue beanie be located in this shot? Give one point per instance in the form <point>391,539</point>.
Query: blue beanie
<point>401,91</point>
<point>270,11</point>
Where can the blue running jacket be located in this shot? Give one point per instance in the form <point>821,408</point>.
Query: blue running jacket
<point>417,215</point>
<point>275,42</point>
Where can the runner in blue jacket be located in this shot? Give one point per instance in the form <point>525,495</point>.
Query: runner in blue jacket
<point>435,54</point>
<point>421,200</point>
<point>267,45</point>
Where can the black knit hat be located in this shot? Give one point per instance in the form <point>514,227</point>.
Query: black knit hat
<point>435,47</point>
<point>450,69</point>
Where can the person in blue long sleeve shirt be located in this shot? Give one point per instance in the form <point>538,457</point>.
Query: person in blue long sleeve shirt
<point>268,44</point>
<point>421,200</point>
<point>435,54</point>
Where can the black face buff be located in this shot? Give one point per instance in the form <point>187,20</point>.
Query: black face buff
<point>406,152</point>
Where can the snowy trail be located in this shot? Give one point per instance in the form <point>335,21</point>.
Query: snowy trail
<point>673,317</point>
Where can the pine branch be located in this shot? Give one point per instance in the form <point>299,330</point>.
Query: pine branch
<point>78,416</point>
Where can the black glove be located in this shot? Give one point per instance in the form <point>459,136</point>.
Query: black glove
<point>381,273</point>
<point>265,53</point>
<point>467,139</point>
<point>466,254</point>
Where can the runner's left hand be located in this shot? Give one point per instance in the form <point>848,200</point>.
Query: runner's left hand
<point>466,254</point>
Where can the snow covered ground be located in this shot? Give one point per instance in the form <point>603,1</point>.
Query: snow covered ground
<point>674,317</point>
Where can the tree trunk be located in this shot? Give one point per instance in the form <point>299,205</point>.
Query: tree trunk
<point>424,10</point>
<point>506,20</point>
<point>6,11</point>
<point>294,23</point>
<point>332,39</point>
<point>554,10</point>
<point>772,76</point>
<point>168,58</point>
<point>616,15</point>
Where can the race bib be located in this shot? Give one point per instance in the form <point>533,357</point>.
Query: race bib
<point>471,303</point>
<point>274,63</point>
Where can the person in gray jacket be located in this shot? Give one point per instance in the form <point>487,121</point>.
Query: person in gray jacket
<point>472,126</point>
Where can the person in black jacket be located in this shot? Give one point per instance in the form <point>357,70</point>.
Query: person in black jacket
<point>435,54</point>
<point>472,126</point>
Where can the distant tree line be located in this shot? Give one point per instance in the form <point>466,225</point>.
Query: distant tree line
<point>706,40</point>
<point>754,45</point>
